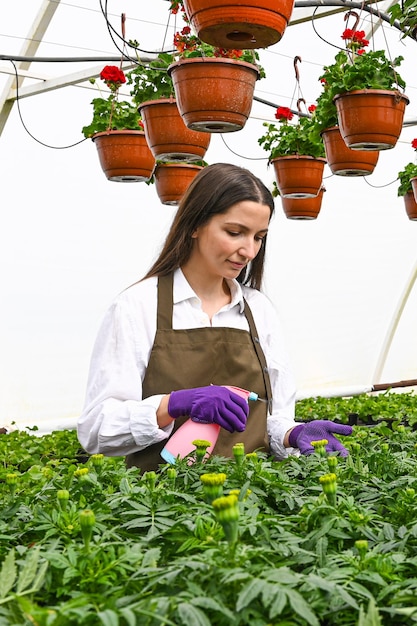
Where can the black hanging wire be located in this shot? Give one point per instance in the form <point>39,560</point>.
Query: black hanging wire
<point>113,33</point>
<point>26,128</point>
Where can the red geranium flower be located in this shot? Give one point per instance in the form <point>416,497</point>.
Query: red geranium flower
<point>312,108</point>
<point>414,144</point>
<point>347,33</point>
<point>112,76</point>
<point>284,113</point>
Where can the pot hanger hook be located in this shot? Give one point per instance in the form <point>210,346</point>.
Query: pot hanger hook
<point>354,14</point>
<point>297,60</point>
<point>299,101</point>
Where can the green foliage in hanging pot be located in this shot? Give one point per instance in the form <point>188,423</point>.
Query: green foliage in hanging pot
<point>406,174</point>
<point>151,81</point>
<point>291,139</point>
<point>111,113</point>
<point>355,69</point>
<point>405,16</point>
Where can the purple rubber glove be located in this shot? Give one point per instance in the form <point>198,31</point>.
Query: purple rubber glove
<point>303,434</point>
<point>210,405</point>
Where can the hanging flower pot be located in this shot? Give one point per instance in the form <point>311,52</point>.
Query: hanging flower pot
<point>214,94</point>
<point>411,205</point>
<point>244,24</point>
<point>173,179</point>
<point>124,155</point>
<point>342,160</point>
<point>304,208</point>
<point>371,119</point>
<point>168,137</point>
<point>298,176</point>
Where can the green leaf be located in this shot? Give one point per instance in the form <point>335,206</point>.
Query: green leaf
<point>29,570</point>
<point>301,607</point>
<point>278,603</point>
<point>249,592</point>
<point>192,616</point>
<point>108,618</point>
<point>8,574</point>
<point>372,617</point>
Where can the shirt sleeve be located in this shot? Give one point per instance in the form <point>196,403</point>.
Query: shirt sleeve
<point>116,420</point>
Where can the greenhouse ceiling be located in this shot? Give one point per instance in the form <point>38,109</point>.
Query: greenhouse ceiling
<point>27,59</point>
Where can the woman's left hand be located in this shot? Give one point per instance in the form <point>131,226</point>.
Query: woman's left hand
<point>302,435</point>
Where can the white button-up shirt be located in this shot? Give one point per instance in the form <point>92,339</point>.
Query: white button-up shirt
<point>116,419</point>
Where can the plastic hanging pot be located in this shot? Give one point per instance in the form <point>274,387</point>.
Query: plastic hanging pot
<point>370,119</point>
<point>298,176</point>
<point>240,25</point>
<point>214,94</point>
<point>168,137</point>
<point>303,208</point>
<point>124,155</point>
<point>344,161</point>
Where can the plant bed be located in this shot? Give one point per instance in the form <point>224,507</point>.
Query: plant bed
<point>317,540</point>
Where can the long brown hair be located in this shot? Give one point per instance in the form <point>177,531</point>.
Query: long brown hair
<point>213,191</point>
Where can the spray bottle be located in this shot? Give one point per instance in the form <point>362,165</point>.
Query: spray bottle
<point>180,444</point>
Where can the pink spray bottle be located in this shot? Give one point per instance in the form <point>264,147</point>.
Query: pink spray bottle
<point>180,444</point>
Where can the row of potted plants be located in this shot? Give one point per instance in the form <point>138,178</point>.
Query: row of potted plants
<point>331,131</point>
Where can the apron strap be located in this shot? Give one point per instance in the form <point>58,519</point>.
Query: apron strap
<point>165,302</point>
<point>260,354</point>
<point>164,322</point>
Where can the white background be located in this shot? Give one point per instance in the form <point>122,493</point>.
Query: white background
<point>70,240</point>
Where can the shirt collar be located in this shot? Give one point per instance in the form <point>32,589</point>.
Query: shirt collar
<point>183,290</point>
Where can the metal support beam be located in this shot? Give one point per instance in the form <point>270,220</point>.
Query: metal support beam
<point>29,49</point>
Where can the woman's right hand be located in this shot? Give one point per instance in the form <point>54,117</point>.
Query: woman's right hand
<point>210,405</point>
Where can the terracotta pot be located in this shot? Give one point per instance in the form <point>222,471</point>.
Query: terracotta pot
<point>168,137</point>
<point>410,205</point>
<point>370,119</point>
<point>304,208</point>
<point>241,25</point>
<point>298,176</point>
<point>214,94</point>
<point>173,179</point>
<point>342,160</point>
<point>413,182</point>
<point>124,155</point>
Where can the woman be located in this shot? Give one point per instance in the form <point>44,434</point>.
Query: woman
<point>196,322</point>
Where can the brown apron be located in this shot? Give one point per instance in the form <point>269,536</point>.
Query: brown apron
<point>196,357</point>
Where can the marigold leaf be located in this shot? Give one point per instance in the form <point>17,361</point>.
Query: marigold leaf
<point>192,616</point>
<point>249,592</point>
<point>8,574</point>
<point>301,607</point>
<point>29,570</point>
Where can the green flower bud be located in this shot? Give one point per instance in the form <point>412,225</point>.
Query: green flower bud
<point>226,509</point>
<point>97,461</point>
<point>329,486</point>
<point>239,452</point>
<point>11,482</point>
<point>320,446</point>
<point>213,485</point>
<point>150,479</point>
<point>332,463</point>
<point>171,473</point>
<point>362,547</point>
<point>63,497</point>
<point>81,472</point>
<point>201,448</point>
<point>87,521</point>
